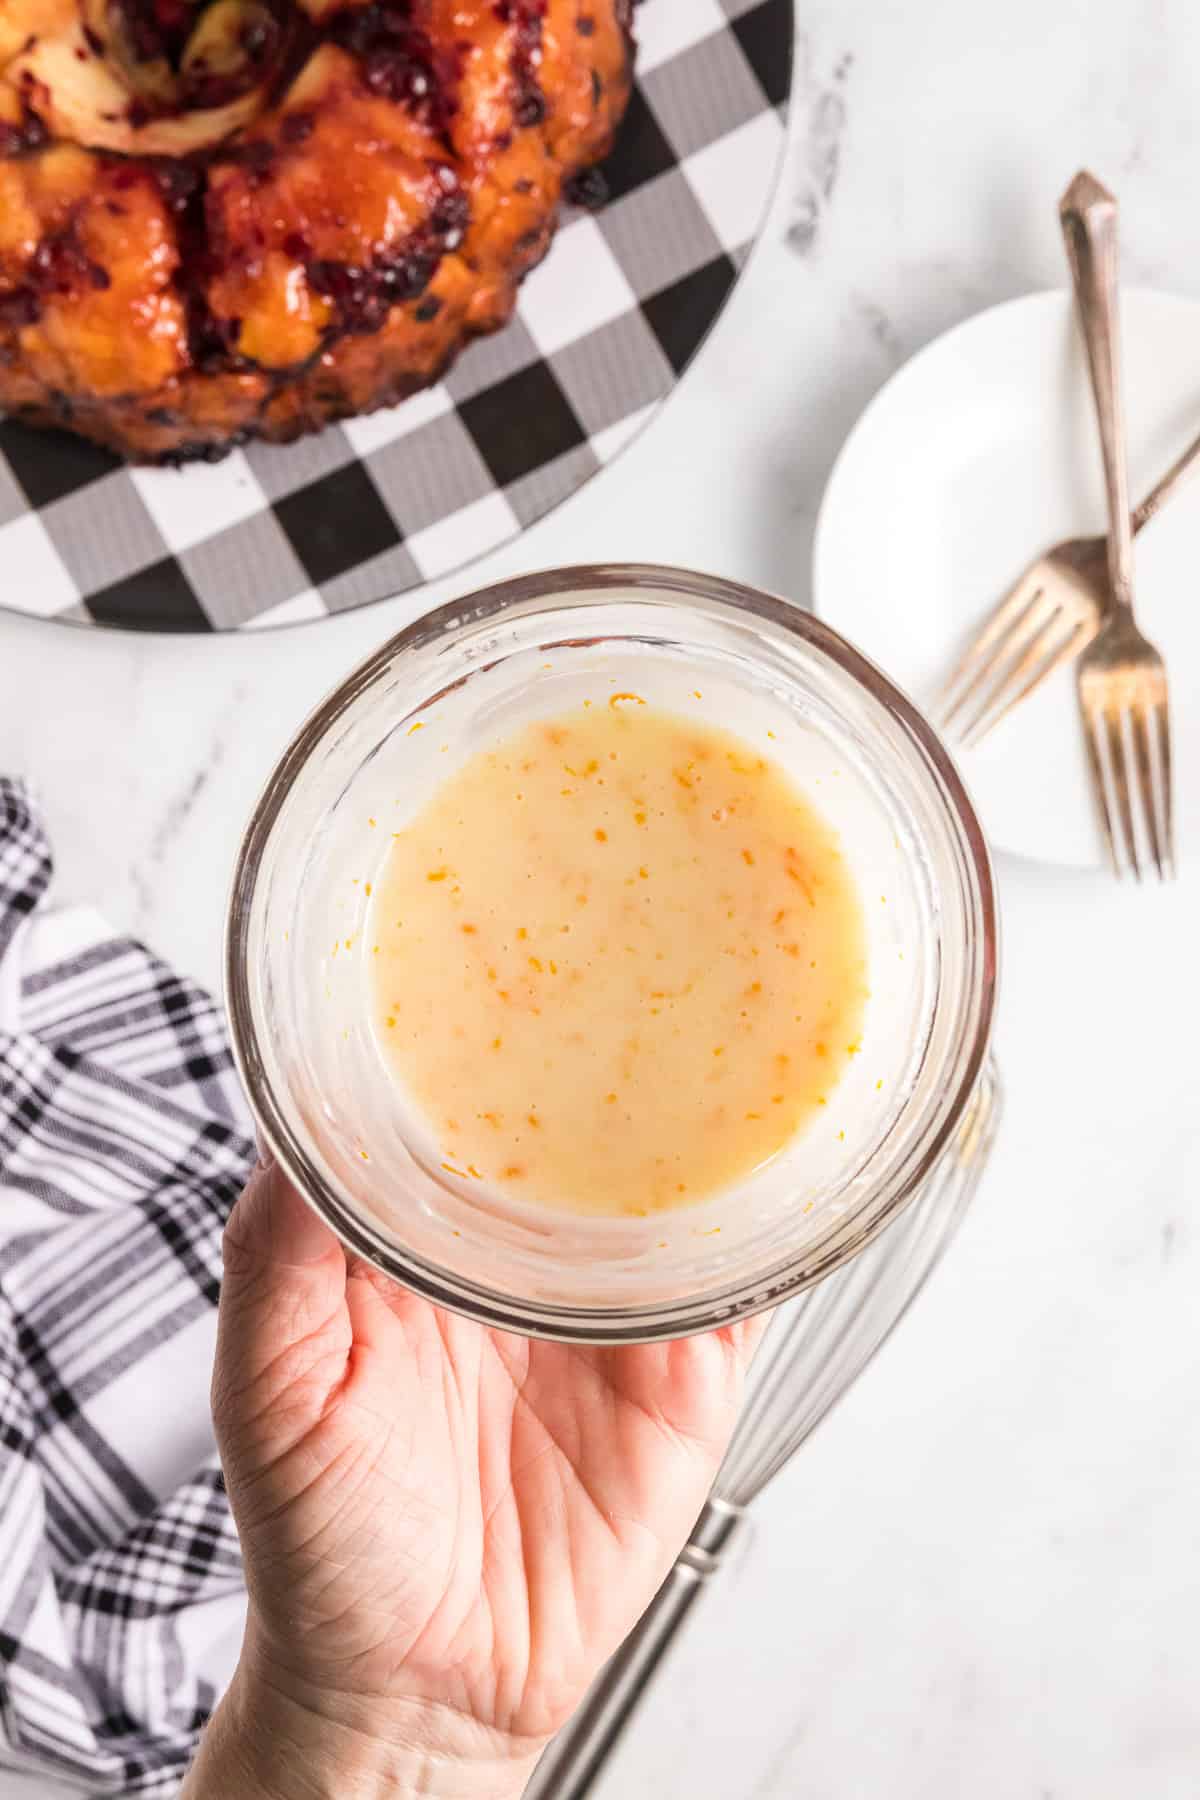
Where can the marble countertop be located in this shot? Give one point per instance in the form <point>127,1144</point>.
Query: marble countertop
<point>982,1576</point>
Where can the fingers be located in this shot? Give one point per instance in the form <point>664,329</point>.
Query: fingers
<point>282,1296</point>
<point>367,1303</point>
<point>271,1228</point>
<point>747,1335</point>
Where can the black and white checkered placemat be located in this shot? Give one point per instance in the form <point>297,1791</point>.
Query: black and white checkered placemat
<point>603,330</point>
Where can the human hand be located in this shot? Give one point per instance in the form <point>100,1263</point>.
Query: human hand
<point>447,1530</point>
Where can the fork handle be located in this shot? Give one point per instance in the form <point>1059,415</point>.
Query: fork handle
<point>1088,213</point>
<point>1166,485</point>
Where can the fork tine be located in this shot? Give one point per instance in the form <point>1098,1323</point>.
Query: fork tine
<point>1118,759</point>
<point>1140,729</point>
<point>1162,723</point>
<point>990,716</point>
<point>1091,740</point>
<point>975,662</point>
<point>991,680</point>
<point>999,621</point>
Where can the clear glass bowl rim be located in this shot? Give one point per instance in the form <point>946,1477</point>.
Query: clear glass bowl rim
<point>591,584</point>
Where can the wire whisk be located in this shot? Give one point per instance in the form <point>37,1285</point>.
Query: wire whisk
<point>815,1347</point>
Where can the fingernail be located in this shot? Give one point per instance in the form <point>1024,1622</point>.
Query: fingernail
<point>266,1156</point>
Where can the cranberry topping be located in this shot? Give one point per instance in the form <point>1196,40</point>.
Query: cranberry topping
<point>19,308</point>
<point>398,60</point>
<point>588,189</point>
<point>156,29</point>
<point>362,297</point>
<point>296,128</point>
<point>261,43</point>
<point>529,102</point>
<point>30,134</point>
<point>180,182</point>
<point>59,265</point>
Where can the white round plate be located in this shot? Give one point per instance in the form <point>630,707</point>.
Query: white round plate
<point>979,454</point>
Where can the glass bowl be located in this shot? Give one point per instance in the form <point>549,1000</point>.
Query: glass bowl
<point>456,681</point>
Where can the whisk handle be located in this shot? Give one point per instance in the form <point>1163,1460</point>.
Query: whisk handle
<point>573,1761</point>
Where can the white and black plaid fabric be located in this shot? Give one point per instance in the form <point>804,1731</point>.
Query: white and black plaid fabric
<point>123,1144</point>
<point>603,330</point>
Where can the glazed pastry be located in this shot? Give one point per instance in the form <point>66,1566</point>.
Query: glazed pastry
<point>225,219</point>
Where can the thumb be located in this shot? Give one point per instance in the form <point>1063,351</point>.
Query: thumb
<point>282,1296</point>
<point>271,1226</point>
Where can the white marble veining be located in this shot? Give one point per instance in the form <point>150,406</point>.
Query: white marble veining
<point>982,1577</point>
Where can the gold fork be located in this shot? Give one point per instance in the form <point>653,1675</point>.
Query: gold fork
<point>1121,678</point>
<point>1051,614</point>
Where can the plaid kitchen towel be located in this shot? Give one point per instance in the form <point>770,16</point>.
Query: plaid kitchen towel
<point>123,1144</point>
